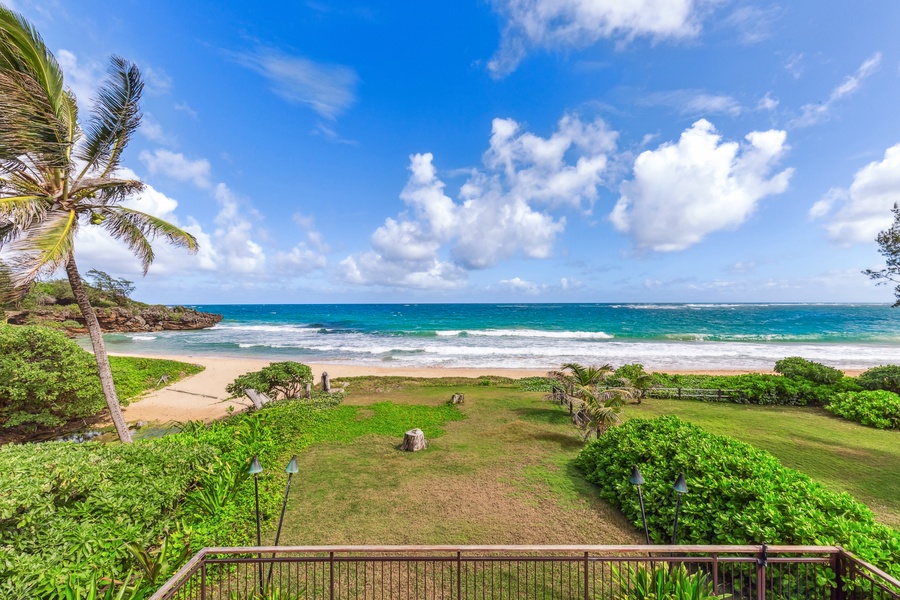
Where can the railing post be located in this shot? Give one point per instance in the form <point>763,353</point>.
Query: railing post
<point>761,563</point>
<point>203,580</point>
<point>837,565</point>
<point>586,594</point>
<point>331,575</point>
<point>715,567</point>
<point>459,576</point>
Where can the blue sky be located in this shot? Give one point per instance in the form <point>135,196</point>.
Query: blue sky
<point>514,150</point>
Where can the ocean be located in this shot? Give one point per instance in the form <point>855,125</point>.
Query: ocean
<point>540,336</point>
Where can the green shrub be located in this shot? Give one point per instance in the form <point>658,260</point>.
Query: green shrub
<point>536,384</point>
<point>282,379</point>
<point>800,368</point>
<point>755,388</point>
<point>46,379</point>
<point>67,510</point>
<point>878,408</point>
<point>738,494</point>
<point>886,377</point>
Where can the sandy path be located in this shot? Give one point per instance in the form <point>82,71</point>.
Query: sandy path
<point>203,396</point>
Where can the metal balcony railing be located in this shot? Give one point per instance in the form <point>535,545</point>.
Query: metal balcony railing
<point>533,572</point>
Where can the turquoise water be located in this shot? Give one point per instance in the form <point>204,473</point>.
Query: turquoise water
<point>674,336</point>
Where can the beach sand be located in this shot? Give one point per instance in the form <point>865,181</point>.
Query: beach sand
<point>203,396</point>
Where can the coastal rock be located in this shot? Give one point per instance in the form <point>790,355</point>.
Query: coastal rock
<point>119,319</point>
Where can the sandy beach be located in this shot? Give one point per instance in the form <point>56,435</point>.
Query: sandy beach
<point>203,396</point>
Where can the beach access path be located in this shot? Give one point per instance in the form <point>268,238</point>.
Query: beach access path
<point>203,396</point>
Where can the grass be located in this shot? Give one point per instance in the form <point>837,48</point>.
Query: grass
<point>842,455</point>
<point>504,475</point>
<point>135,376</point>
<point>501,475</point>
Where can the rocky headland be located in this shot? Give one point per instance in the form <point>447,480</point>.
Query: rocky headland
<point>116,319</point>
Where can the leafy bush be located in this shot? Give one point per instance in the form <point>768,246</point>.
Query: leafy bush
<point>800,368</point>
<point>755,388</point>
<point>886,377</point>
<point>67,510</point>
<point>46,379</point>
<point>878,408</point>
<point>282,379</point>
<point>536,384</point>
<point>738,494</point>
<point>661,582</point>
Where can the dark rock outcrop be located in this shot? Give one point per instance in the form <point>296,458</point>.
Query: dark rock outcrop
<point>118,319</point>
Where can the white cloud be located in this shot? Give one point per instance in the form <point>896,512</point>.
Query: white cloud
<point>753,24</point>
<point>153,131</point>
<point>309,254</point>
<point>327,89</point>
<point>767,102</point>
<point>497,215</point>
<point>186,108</point>
<point>177,166</point>
<point>816,113</point>
<point>235,248</point>
<point>859,213</point>
<point>794,65</point>
<point>517,284</point>
<point>156,81</point>
<point>557,24</point>
<point>694,103</point>
<point>83,78</point>
<point>684,191</point>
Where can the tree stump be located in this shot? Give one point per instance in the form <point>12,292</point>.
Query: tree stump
<point>458,399</point>
<point>414,440</point>
<point>308,391</point>
<point>326,383</point>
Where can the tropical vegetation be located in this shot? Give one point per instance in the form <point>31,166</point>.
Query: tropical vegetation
<point>878,408</point>
<point>57,177</point>
<point>48,381</point>
<point>737,494</point>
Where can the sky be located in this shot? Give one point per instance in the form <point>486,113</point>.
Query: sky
<point>501,151</point>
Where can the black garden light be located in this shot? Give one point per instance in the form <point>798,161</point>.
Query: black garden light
<point>680,487</point>
<point>255,469</point>
<point>638,480</point>
<point>290,469</point>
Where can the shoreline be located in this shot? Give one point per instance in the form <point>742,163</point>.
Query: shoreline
<point>203,396</point>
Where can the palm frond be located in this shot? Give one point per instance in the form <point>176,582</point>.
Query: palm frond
<point>106,190</point>
<point>21,211</point>
<point>134,227</point>
<point>115,117</point>
<point>43,247</point>
<point>123,228</point>
<point>34,103</point>
<point>160,227</point>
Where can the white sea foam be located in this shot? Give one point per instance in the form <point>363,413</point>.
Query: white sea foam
<point>141,337</point>
<point>527,333</point>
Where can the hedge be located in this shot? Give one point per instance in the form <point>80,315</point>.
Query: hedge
<point>738,494</point>
<point>878,408</point>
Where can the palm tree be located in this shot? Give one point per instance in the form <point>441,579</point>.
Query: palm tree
<point>576,381</point>
<point>56,178</point>
<point>598,412</point>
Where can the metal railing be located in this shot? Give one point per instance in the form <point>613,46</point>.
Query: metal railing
<point>533,572</point>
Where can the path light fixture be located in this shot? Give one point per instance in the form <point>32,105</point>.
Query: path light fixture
<point>291,468</point>
<point>638,480</point>
<point>680,487</point>
<point>255,469</point>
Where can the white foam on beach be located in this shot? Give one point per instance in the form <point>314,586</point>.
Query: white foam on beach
<point>141,337</point>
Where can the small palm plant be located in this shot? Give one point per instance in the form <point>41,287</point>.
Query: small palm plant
<point>57,179</point>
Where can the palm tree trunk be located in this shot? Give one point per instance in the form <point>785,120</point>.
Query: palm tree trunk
<point>103,369</point>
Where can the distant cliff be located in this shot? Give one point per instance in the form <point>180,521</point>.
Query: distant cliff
<point>116,319</point>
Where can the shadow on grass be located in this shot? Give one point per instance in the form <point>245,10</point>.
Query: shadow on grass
<point>567,442</point>
<point>550,415</point>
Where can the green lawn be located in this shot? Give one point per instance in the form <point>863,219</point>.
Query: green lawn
<point>843,455</point>
<point>503,474</point>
